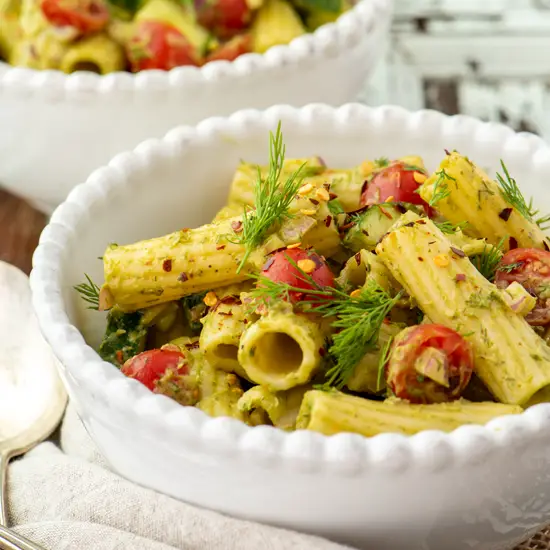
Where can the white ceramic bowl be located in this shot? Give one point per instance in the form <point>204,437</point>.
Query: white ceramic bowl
<point>478,487</point>
<point>56,128</point>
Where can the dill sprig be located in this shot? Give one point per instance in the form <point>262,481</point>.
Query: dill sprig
<point>450,228</point>
<point>487,262</point>
<point>382,162</point>
<point>508,268</point>
<point>271,201</point>
<point>440,187</point>
<point>357,319</point>
<point>89,292</point>
<point>384,356</point>
<point>511,193</point>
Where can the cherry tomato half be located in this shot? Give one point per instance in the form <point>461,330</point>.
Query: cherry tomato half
<point>87,16</point>
<point>530,267</point>
<point>231,50</point>
<point>394,183</point>
<point>225,18</point>
<point>157,45</point>
<point>150,366</point>
<point>429,364</point>
<point>289,265</point>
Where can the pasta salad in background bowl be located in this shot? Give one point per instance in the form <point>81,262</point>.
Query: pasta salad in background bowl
<point>320,305</point>
<point>84,80</point>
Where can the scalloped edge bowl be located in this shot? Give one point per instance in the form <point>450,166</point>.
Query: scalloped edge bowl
<point>431,490</point>
<point>57,128</point>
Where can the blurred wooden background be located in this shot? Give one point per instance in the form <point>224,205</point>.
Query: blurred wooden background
<point>20,227</point>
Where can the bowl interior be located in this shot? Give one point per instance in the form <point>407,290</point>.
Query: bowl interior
<point>184,179</point>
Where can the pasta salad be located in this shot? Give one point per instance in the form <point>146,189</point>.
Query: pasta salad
<point>381,298</point>
<point>105,36</point>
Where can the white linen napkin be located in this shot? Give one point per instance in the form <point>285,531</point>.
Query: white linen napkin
<point>64,497</point>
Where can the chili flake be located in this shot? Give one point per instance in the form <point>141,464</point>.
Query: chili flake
<point>167,265</point>
<point>505,214</point>
<point>419,178</point>
<point>460,277</point>
<point>307,265</point>
<point>182,277</point>
<point>441,260</point>
<point>211,299</point>
<point>237,226</point>
<point>458,252</point>
<point>322,194</point>
<point>305,189</point>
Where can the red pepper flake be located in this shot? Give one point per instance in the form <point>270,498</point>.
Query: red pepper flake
<point>348,225</point>
<point>322,352</point>
<point>119,356</point>
<point>358,258</point>
<point>387,214</point>
<point>268,264</point>
<point>226,313</point>
<point>245,321</point>
<point>420,259</point>
<point>220,246</point>
<point>400,208</point>
<point>513,243</point>
<point>545,244</point>
<point>326,186</point>
<point>182,277</point>
<point>167,265</point>
<point>192,345</point>
<point>460,277</point>
<point>314,201</point>
<point>447,152</point>
<point>332,196</point>
<point>505,214</point>
<point>421,222</point>
<point>237,226</point>
<point>328,221</point>
<point>365,232</point>
<point>458,252</point>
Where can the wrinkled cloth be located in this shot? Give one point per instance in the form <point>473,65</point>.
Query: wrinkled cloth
<point>63,496</point>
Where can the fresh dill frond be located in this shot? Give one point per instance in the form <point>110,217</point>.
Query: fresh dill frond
<point>382,162</point>
<point>89,292</point>
<point>384,356</point>
<point>449,228</point>
<point>335,207</point>
<point>440,187</point>
<point>357,319</point>
<point>511,194</point>
<point>414,168</point>
<point>542,221</point>
<point>487,262</point>
<point>271,201</point>
<point>508,268</point>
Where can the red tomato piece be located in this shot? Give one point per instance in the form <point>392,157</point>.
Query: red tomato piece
<point>150,366</point>
<point>429,364</point>
<point>157,45</point>
<point>530,267</point>
<point>229,51</point>
<point>289,265</point>
<point>394,183</point>
<point>225,18</point>
<point>87,16</point>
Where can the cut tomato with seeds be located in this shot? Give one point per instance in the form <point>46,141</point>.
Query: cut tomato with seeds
<point>530,267</point>
<point>282,267</point>
<point>87,16</point>
<point>157,45</point>
<point>394,183</point>
<point>225,18</point>
<point>429,364</point>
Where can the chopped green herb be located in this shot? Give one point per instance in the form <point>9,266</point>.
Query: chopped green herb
<point>450,228</point>
<point>384,356</point>
<point>440,187</point>
<point>89,292</point>
<point>382,162</point>
<point>335,207</point>
<point>486,262</point>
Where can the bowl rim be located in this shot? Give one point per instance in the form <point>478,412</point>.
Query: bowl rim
<point>342,454</point>
<point>331,39</point>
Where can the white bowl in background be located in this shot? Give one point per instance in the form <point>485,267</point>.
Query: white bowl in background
<point>483,487</point>
<point>56,128</point>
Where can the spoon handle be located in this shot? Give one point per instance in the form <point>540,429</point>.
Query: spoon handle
<point>4,459</point>
<point>10,540</point>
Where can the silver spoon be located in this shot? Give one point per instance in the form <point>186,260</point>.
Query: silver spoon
<point>32,397</point>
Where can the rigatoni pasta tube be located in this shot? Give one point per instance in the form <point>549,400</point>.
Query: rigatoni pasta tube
<point>335,412</point>
<point>186,262</point>
<point>282,349</point>
<point>97,53</point>
<point>222,329</point>
<point>280,408</point>
<point>510,358</point>
<point>462,192</point>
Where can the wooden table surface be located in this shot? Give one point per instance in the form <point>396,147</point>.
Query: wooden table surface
<point>20,228</point>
